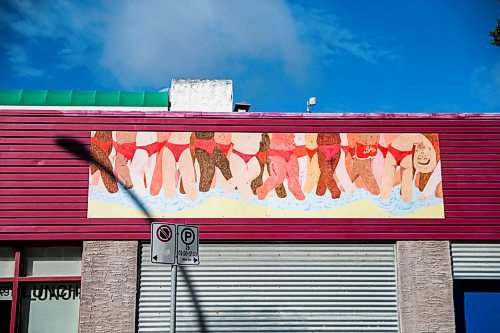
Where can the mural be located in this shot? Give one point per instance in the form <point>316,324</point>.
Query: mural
<point>256,175</point>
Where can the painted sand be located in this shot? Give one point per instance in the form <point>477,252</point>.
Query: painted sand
<point>217,204</point>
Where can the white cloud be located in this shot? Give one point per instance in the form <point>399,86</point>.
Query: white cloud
<point>146,43</point>
<point>150,43</point>
<point>69,28</point>
<point>19,59</point>
<point>485,83</point>
<point>330,38</point>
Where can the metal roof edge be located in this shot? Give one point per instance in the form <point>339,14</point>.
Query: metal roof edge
<point>159,111</point>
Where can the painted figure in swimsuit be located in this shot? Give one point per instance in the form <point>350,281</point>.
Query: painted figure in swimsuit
<point>265,141</point>
<point>178,164</point>
<point>209,157</point>
<point>223,142</point>
<point>400,154</point>
<point>143,164</point>
<point>101,145</point>
<point>223,147</point>
<point>385,140</point>
<point>352,138</point>
<point>429,183</point>
<point>157,180</point>
<point>125,150</point>
<point>244,163</point>
<point>364,151</point>
<point>378,161</point>
<point>282,164</point>
<point>328,158</point>
<point>95,178</point>
<point>301,153</point>
<point>344,180</point>
<point>312,162</point>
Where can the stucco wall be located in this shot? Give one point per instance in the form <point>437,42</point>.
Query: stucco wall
<point>425,287</point>
<point>201,95</point>
<point>109,283</point>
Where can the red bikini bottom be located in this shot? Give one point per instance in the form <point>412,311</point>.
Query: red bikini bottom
<point>398,154</point>
<point>286,154</point>
<point>206,145</point>
<point>104,145</point>
<point>311,152</point>
<point>329,150</point>
<point>224,148</point>
<point>245,157</point>
<point>127,149</point>
<point>176,149</point>
<point>150,149</point>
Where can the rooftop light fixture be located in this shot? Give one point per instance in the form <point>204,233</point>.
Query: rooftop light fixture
<point>310,102</point>
<point>241,107</point>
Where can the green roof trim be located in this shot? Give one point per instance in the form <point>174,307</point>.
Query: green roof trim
<point>10,97</point>
<point>83,98</point>
<point>131,98</point>
<point>156,98</point>
<point>58,98</point>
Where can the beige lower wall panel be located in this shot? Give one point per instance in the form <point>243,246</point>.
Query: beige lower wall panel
<point>425,287</point>
<point>109,284</point>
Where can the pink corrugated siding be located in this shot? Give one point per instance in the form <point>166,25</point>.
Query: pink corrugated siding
<point>43,187</point>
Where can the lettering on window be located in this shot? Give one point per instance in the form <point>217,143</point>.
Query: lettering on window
<point>43,292</point>
<point>5,293</point>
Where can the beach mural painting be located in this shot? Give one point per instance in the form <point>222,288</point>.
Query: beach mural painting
<point>264,175</point>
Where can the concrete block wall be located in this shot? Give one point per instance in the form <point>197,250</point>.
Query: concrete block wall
<point>425,287</point>
<point>109,286</point>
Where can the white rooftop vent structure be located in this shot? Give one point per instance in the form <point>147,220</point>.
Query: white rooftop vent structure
<point>201,95</point>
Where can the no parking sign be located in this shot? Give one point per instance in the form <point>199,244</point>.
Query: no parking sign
<point>163,243</point>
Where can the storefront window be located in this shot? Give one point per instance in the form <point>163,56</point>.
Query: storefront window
<point>477,305</point>
<point>5,306</point>
<point>50,307</point>
<point>40,289</point>
<point>53,261</point>
<point>6,262</point>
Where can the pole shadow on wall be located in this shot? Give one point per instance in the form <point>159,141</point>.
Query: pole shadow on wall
<point>79,150</point>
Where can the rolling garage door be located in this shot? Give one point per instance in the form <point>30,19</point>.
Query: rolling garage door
<point>275,288</point>
<point>476,260</point>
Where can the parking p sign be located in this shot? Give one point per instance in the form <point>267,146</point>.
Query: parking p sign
<point>187,245</point>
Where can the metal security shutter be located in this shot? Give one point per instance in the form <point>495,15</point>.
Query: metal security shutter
<point>275,288</point>
<point>476,261</point>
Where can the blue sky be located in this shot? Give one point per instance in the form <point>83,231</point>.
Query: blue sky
<point>354,56</point>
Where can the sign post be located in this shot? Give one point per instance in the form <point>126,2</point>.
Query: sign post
<point>173,297</point>
<point>174,245</point>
